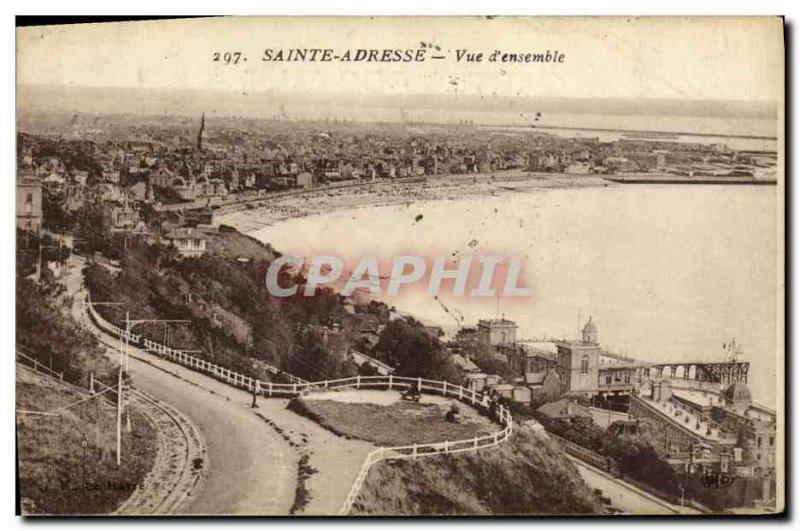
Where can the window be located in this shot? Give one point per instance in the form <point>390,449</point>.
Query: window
<point>584,364</point>
<point>608,378</point>
<point>627,377</point>
<point>772,441</point>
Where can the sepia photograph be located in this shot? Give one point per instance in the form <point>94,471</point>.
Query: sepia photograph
<point>400,266</point>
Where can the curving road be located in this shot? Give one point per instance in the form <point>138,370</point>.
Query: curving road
<point>251,469</point>
<point>255,456</point>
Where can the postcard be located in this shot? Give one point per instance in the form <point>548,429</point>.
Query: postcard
<point>476,266</point>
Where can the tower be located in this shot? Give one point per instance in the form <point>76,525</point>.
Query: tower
<point>579,362</point>
<point>201,134</point>
<point>589,332</point>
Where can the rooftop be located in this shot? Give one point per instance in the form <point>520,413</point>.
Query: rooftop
<point>185,232</point>
<point>575,343</point>
<point>496,322</point>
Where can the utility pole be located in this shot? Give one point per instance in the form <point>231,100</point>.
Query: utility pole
<point>127,336</point>
<point>119,416</point>
<point>126,406</point>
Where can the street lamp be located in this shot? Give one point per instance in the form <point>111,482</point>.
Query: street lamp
<point>84,444</point>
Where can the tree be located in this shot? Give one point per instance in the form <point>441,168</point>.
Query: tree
<point>47,334</point>
<point>94,229</point>
<point>407,346</point>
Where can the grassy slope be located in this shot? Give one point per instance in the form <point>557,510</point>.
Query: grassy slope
<point>51,462</point>
<point>527,475</point>
<point>236,245</point>
<point>398,424</point>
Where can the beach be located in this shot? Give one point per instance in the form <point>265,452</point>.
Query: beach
<point>249,217</point>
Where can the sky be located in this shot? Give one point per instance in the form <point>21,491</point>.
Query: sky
<point>694,59</point>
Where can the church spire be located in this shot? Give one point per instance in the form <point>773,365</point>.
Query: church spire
<point>201,134</point>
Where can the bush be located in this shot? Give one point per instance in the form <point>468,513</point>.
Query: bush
<point>46,333</point>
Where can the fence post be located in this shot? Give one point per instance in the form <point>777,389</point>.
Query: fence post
<point>444,388</point>
<point>390,382</point>
<point>91,382</point>
<point>414,452</point>
<point>419,383</point>
<point>270,389</point>
<point>358,381</point>
<point>294,388</point>
<point>446,444</point>
<point>475,443</point>
<point>460,392</point>
<point>326,383</point>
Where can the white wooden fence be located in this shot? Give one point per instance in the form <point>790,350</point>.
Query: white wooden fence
<point>299,386</point>
<point>422,450</point>
<point>182,358</point>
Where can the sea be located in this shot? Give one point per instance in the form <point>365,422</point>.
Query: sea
<point>667,272</point>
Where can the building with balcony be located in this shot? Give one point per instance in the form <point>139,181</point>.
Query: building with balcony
<point>189,241</point>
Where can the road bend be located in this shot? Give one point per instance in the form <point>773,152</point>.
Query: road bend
<point>264,460</point>
<point>251,469</point>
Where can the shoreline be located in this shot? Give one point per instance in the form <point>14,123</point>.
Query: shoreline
<point>268,211</point>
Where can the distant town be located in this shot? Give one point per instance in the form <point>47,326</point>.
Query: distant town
<point>174,163</point>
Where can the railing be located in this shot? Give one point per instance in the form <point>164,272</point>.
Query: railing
<point>611,413</point>
<point>184,359</point>
<point>584,454</point>
<point>421,450</point>
<point>300,387</point>
<point>38,366</point>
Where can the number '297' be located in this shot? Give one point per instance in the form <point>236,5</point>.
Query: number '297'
<point>228,58</point>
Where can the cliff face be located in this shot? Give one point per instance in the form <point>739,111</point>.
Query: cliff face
<point>526,475</point>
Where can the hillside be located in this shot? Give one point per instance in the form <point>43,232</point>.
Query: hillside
<point>526,475</point>
<point>235,322</point>
<point>57,474</point>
